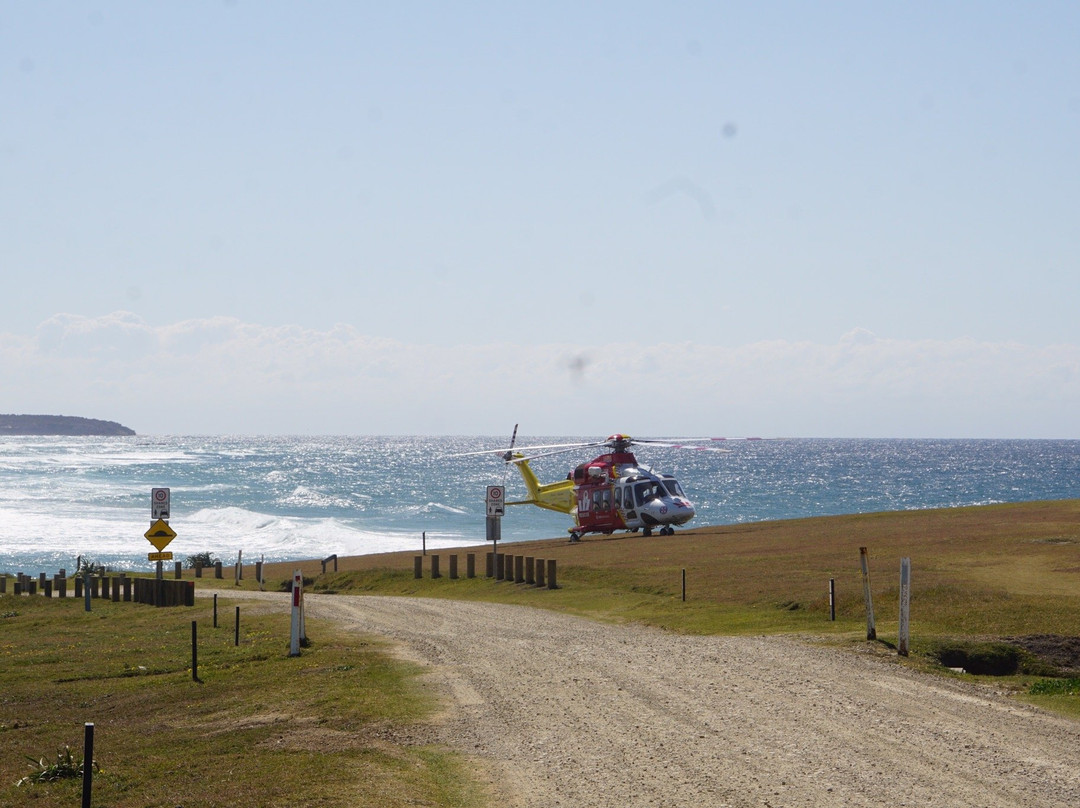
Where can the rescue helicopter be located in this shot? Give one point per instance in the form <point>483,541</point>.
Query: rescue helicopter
<point>613,491</point>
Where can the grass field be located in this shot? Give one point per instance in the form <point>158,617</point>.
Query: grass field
<point>260,724</point>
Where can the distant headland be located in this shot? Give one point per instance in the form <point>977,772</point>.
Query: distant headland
<point>59,425</point>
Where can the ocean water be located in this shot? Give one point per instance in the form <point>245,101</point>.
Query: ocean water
<point>286,498</point>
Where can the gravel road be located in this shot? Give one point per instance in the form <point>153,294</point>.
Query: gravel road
<point>567,712</point>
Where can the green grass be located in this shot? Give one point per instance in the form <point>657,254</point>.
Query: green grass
<point>261,725</point>
<point>258,727</point>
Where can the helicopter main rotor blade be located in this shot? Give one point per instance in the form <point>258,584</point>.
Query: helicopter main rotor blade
<point>527,448</point>
<point>688,444</point>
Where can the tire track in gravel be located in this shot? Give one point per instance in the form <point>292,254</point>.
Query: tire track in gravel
<point>572,712</point>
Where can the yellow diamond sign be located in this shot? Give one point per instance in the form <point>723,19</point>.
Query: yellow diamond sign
<point>160,534</point>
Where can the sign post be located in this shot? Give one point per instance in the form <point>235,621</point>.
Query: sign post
<point>159,534</point>
<point>496,507</point>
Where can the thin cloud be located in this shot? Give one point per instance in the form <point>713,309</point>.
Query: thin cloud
<point>223,375</point>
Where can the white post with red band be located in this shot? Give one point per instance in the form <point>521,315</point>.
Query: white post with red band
<point>297,613</point>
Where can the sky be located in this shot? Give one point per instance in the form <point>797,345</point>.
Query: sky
<point>834,219</point>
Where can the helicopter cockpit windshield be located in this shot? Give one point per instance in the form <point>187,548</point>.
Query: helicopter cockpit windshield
<point>673,487</point>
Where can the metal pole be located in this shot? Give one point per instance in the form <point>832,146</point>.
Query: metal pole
<point>86,589</point>
<point>905,606</point>
<point>236,639</point>
<point>423,539</point>
<point>215,611</point>
<point>88,763</point>
<point>832,599</point>
<point>684,586</point>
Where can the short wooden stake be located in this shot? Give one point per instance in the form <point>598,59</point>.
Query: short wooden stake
<point>435,573</point>
<point>470,565</point>
<point>418,567</point>
<point>540,563</point>
<point>194,651</point>
<point>519,569</point>
<point>530,570</point>
<point>551,582</point>
<point>453,566</point>
<point>871,628</point>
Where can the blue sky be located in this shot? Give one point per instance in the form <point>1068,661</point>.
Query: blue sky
<point>806,219</point>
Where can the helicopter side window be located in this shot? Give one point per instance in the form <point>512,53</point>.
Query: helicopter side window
<point>601,500</point>
<point>618,498</point>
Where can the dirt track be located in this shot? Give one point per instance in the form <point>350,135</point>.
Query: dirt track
<point>568,712</point>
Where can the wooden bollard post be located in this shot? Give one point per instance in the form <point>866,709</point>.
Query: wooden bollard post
<point>519,569</point>
<point>127,590</point>
<point>47,589</point>
<point>489,569</point>
<point>418,567</point>
<point>41,581</point>
<point>217,569</point>
<point>3,584</point>
<point>470,565</point>
<point>453,566</point>
<point>116,589</point>
<point>78,586</point>
<point>178,570</point>
<point>530,570</point>
<point>435,567</point>
<point>198,570</point>
<point>62,586</point>
<point>500,565</point>
<point>540,571</point>
<point>551,582</point>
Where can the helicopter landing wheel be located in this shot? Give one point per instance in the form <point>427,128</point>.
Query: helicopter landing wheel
<point>575,536</point>
<point>647,532</point>
<point>667,531</point>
